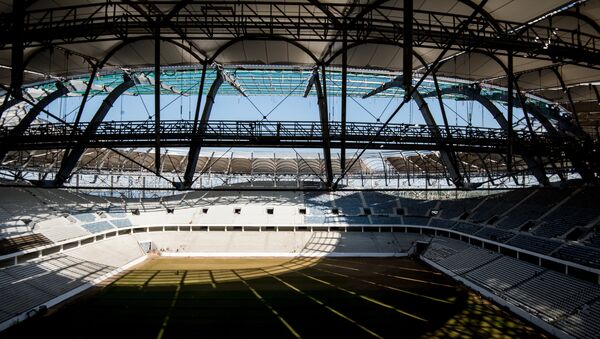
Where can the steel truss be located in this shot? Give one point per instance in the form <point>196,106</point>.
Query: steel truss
<point>298,134</point>
<point>294,21</point>
<point>342,26</point>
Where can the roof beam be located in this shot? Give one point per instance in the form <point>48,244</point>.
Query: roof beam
<point>324,118</point>
<point>462,28</point>
<point>34,112</point>
<point>344,99</point>
<point>157,157</point>
<point>407,49</point>
<point>475,94</point>
<point>196,144</point>
<point>446,155</point>
<point>71,159</point>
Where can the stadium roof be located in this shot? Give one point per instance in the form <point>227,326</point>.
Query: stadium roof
<point>546,52</point>
<point>303,33</point>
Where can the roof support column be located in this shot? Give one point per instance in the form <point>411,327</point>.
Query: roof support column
<point>474,94</point>
<point>157,98</point>
<point>34,112</point>
<point>16,72</point>
<point>569,96</point>
<point>70,160</point>
<point>344,100</point>
<point>81,107</point>
<point>407,64</point>
<point>510,103</point>
<point>324,116</point>
<point>447,156</point>
<point>196,145</point>
<point>199,101</point>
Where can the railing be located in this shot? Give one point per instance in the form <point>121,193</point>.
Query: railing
<point>306,129</point>
<point>178,133</point>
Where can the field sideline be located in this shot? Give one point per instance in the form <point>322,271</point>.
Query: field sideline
<point>277,297</point>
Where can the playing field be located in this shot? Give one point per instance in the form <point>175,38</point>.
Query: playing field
<point>277,298</point>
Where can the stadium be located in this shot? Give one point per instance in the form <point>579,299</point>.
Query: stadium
<point>308,168</point>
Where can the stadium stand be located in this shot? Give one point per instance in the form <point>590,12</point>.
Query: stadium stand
<point>59,229</point>
<point>85,217</point>
<point>468,260</point>
<point>564,302</point>
<point>579,210</point>
<point>417,207</point>
<point>494,234</point>
<point>442,248</point>
<point>450,209</point>
<point>466,227</point>
<point>381,203</point>
<point>344,154</point>
<point>533,207</point>
<point>97,227</point>
<point>35,282</point>
<point>504,273</point>
<point>121,222</point>
<point>553,295</point>
<point>416,220</point>
<point>593,240</point>
<point>498,204</point>
<point>317,203</point>
<point>442,223</point>
<point>387,220</point>
<point>584,322</point>
<point>534,244</point>
<point>348,204</point>
<point>579,254</point>
<point>24,242</point>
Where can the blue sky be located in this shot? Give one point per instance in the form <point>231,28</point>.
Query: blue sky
<point>293,108</point>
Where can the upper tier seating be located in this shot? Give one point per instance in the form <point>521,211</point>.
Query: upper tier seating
<point>494,234</point>
<point>416,220</point>
<point>534,244</point>
<point>450,209</point>
<point>317,203</point>
<point>381,203</point>
<point>417,207</point>
<point>443,223</point>
<point>533,207</point>
<point>579,210</point>
<point>97,227</point>
<point>498,204</point>
<point>466,227</point>
<point>348,204</point>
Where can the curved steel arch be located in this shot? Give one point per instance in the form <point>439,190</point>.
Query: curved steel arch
<point>371,41</point>
<point>256,37</point>
<point>448,157</point>
<point>35,53</point>
<point>491,107</point>
<point>6,104</point>
<point>582,17</point>
<point>475,94</point>
<point>33,113</point>
<point>129,41</point>
<point>70,161</point>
